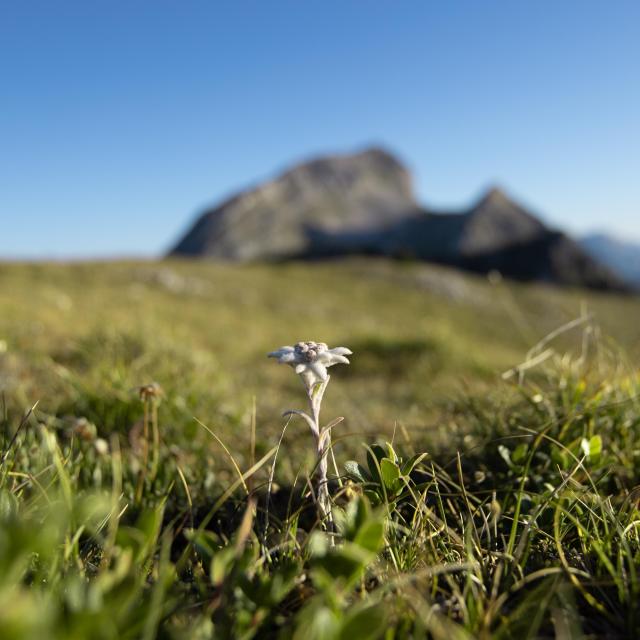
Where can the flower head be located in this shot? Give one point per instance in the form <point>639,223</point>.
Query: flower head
<point>148,391</point>
<point>310,360</point>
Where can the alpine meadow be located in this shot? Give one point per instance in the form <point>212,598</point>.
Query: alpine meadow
<point>474,472</point>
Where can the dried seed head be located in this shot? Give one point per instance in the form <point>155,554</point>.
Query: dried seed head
<point>84,429</point>
<point>149,391</point>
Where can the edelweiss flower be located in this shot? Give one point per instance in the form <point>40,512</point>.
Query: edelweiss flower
<point>310,360</point>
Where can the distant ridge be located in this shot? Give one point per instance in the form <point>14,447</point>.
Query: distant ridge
<point>620,255</point>
<point>363,203</point>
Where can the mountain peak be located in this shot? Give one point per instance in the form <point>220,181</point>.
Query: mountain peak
<point>379,153</point>
<point>496,197</point>
<point>305,209</point>
<point>348,167</point>
<point>494,194</point>
<point>363,203</point>
<point>496,221</point>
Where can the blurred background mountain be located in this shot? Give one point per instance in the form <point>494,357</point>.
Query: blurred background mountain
<point>620,256</point>
<point>122,120</point>
<point>364,204</point>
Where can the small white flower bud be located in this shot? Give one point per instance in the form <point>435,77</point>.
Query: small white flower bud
<point>102,446</point>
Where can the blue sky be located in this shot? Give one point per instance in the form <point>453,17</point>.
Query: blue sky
<point>120,120</point>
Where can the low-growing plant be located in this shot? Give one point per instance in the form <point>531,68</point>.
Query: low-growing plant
<point>528,525</point>
<point>310,361</point>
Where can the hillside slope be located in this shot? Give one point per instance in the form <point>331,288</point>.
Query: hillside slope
<point>159,422</point>
<point>86,335</point>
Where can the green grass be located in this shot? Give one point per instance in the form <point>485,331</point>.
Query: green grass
<point>521,519</point>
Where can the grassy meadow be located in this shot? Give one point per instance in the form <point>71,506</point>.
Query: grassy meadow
<point>488,466</point>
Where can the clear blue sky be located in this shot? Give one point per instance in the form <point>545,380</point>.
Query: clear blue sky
<point>121,119</point>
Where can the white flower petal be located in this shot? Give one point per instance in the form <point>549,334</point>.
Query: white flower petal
<point>279,352</point>
<point>341,351</point>
<point>285,355</point>
<point>309,378</point>
<point>319,369</point>
<point>300,368</point>
<point>329,359</point>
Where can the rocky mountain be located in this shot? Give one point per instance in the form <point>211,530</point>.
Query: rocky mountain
<point>490,226</point>
<point>364,204</point>
<point>497,234</point>
<point>347,199</point>
<point>623,257</point>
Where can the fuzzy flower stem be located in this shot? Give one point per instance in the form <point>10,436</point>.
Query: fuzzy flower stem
<point>323,445</point>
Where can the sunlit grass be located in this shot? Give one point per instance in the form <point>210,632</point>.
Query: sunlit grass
<point>476,504</point>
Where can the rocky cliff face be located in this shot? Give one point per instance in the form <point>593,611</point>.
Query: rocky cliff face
<point>348,199</point>
<point>364,204</point>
